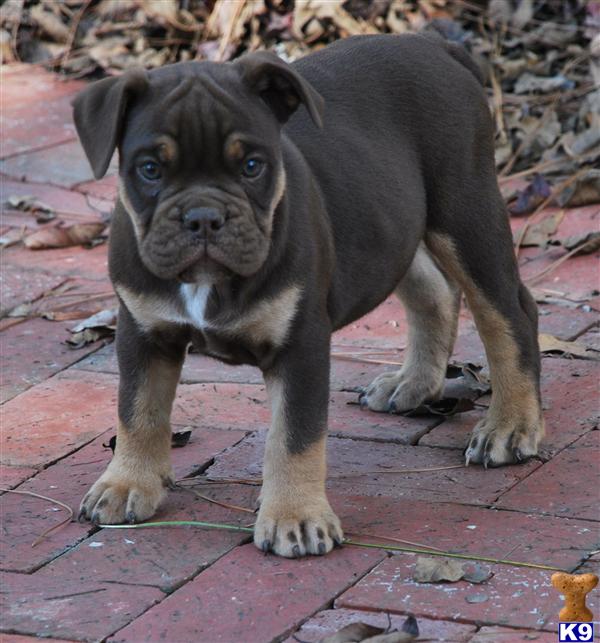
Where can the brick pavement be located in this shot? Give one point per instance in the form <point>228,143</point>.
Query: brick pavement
<point>184,584</point>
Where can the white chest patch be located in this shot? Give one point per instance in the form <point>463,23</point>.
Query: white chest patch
<point>194,299</point>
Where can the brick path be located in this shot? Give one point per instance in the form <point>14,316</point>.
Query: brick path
<point>182,584</point>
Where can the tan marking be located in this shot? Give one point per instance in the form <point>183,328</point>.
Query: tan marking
<point>137,476</point>
<point>293,491</point>
<point>135,220</point>
<point>150,311</point>
<point>432,306</point>
<point>167,149</point>
<point>515,401</point>
<point>234,149</point>
<point>269,320</point>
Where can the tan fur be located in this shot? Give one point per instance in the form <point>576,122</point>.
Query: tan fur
<point>135,482</point>
<point>124,198</point>
<point>514,412</point>
<point>293,499</point>
<point>269,320</point>
<point>150,311</point>
<point>167,149</point>
<point>432,305</point>
<point>234,149</point>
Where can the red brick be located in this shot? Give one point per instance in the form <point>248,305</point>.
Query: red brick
<point>164,557</point>
<point>470,485</point>
<point>21,286</point>
<point>72,262</point>
<point>36,109</point>
<point>572,279</point>
<point>25,518</point>
<point>570,403</point>
<point>568,485</point>
<point>591,338</point>
<point>106,188</point>
<point>515,596</point>
<point>17,638</point>
<point>69,206</point>
<point>330,621</point>
<point>43,605</point>
<point>565,323</point>
<point>11,477</point>
<point>464,529</point>
<point>41,166</point>
<point>35,350</point>
<point>248,597</point>
<point>507,635</point>
<point>56,417</point>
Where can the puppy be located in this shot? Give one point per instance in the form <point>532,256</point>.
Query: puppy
<point>253,229</point>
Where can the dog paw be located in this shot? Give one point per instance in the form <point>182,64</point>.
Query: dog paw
<point>398,392</point>
<point>496,441</point>
<point>292,532</point>
<point>117,497</point>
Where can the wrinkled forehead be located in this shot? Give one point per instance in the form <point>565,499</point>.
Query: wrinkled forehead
<point>197,106</point>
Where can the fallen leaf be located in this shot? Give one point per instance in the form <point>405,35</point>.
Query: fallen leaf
<point>353,632</point>
<point>43,212</point>
<point>446,407</point>
<point>531,197</point>
<point>476,598</point>
<point>88,336</point>
<point>587,242</point>
<point>476,573</point>
<point>584,191</point>
<point>528,83</point>
<point>552,345</point>
<point>62,237</point>
<point>540,233</point>
<point>180,438</point>
<point>434,570</point>
<point>104,319</point>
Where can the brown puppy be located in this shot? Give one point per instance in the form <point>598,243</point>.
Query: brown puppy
<point>254,230</point>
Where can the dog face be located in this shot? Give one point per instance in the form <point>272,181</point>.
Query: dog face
<point>199,159</point>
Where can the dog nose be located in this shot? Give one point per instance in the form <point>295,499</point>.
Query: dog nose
<point>206,219</point>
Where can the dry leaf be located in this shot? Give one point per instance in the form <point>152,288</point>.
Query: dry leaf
<point>539,234</point>
<point>352,633</point>
<point>587,242</point>
<point>62,237</point>
<point>551,344</point>
<point>50,23</point>
<point>104,319</point>
<point>27,203</point>
<point>434,570</point>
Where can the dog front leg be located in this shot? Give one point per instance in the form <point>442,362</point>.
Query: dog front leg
<point>136,480</point>
<point>295,517</point>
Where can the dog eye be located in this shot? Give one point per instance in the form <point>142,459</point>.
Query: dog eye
<point>150,171</point>
<point>252,167</point>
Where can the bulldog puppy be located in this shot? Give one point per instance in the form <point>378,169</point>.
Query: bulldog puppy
<point>253,229</point>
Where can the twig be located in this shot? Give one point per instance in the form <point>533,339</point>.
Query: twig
<point>47,532</point>
<point>555,264</point>
<point>73,32</point>
<point>217,502</point>
<point>399,540</point>
<point>559,189</point>
<point>353,543</point>
<point>396,471</point>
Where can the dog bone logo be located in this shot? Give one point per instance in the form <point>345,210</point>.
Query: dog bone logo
<point>575,588</point>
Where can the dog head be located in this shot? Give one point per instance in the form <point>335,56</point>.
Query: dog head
<point>200,160</point>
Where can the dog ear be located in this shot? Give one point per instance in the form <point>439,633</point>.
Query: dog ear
<point>98,112</point>
<point>280,86</point>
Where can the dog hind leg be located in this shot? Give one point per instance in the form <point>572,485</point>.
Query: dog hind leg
<point>432,303</point>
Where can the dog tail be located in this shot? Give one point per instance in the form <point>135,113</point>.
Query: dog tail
<point>457,51</point>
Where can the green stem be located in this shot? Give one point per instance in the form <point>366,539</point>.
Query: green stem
<point>180,523</point>
<point>484,559</point>
<point>410,550</point>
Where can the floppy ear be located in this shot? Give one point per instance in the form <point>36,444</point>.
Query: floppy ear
<point>280,86</point>
<point>98,112</point>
